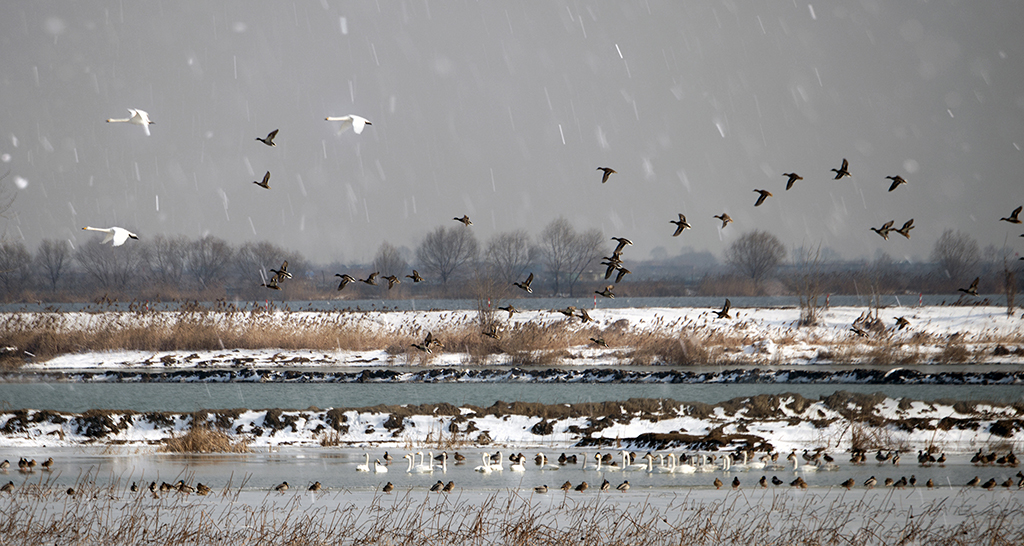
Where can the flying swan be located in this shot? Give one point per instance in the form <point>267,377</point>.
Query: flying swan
<point>138,117</point>
<point>116,234</point>
<point>355,122</point>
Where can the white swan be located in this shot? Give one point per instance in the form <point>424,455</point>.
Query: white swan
<point>117,234</point>
<point>666,465</point>
<point>379,468</point>
<point>545,465</point>
<point>365,467</point>
<point>759,464</point>
<point>426,465</point>
<point>355,122</point>
<point>797,467</point>
<point>519,465</point>
<point>484,468</point>
<point>635,467</point>
<point>413,468</point>
<point>443,467</point>
<point>138,117</point>
<point>681,468</point>
<point>706,465</point>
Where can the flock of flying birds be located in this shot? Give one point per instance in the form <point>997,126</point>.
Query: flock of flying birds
<point>614,263</point>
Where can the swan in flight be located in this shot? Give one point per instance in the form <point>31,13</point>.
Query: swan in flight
<point>365,467</point>
<point>116,234</point>
<point>355,122</point>
<point>138,117</point>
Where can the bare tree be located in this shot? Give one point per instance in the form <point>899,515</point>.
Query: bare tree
<point>566,253</point>
<point>446,251</point>
<point>509,255</point>
<point>956,255</point>
<point>389,261</point>
<point>168,259</point>
<point>208,258</point>
<point>52,260</point>
<point>14,266</point>
<point>756,254</point>
<point>111,267</point>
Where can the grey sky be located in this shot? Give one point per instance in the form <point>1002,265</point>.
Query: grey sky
<point>504,110</point>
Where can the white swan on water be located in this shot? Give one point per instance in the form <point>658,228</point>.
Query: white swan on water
<point>519,465</point>
<point>633,467</point>
<point>681,468</point>
<point>797,467</point>
<point>379,468</point>
<point>365,467</point>
<point>138,117</point>
<point>545,465</point>
<point>357,123</point>
<point>117,234</point>
<point>484,468</point>
<point>413,468</point>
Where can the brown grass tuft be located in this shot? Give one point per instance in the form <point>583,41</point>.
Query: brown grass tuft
<point>204,440</point>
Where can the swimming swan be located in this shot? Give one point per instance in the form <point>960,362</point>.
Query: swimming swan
<point>519,465</point>
<point>138,117</point>
<point>365,467</point>
<point>484,468</point>
<point>379,468</point>
<point>116,234</point>
<point>355,122</point>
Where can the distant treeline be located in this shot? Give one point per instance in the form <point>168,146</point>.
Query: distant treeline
<point>454,264</point>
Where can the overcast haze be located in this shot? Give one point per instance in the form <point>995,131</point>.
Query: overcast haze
<point>504,110</point>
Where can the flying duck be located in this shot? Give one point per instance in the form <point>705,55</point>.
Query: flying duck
<point>681,224</point>
<point>607,172</point>
<point>269,141</point>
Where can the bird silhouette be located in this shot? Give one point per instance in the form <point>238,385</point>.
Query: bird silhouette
<point>607,292</point>
<point>415,276</point>
<point>585,316</point>
<point>281,274</point>
<point>905,230</point>
<point>884,230</point>
<point>724,313</point>
<point>607,172</point>
<point>622,244</point>
<point>681,224</point>
<point>896,181</point>
<point>388,487</point>
<point>269,141</point>
<point>971,290</point>
<point>465,220</point>
<point>793,177</point>
<point>725,218</point>
<point>622,273</point>
<point>266,181</point>
<point>842,171</point>
<point>599,342</point>
<point>511,310</point>
<point>525,285</point>
<point>372,279</point>
<point>1013,216</point>
<point>392,281</point>
<point>764,194</point>
<point>345,279</point>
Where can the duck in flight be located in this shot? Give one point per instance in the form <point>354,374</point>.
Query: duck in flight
<point>607,172</point>
<point>525,285</point>
<point>607,292</point>
<point>622,243</point>
<point>896,181</point>
<point>724,313</point>
<point>842,171</point>
<point>281,274</point>
<point>884,230</point>
<point>465,220</point>
<point>681,224</point>
<point>371,279</point>
<point>116,234</point>
<point>357,123</point>
<point>392,281</point>
<point>269,141</point>
<point>971,290</point>
<point>345,279</point>
<point>905,230</point>
<point>138,117</point>
<point>765,194</point>
<point>266,181</point>
<point>415,276</point>
<point>725,218</point>
<point>1013,216</point>
<point>793,177</point>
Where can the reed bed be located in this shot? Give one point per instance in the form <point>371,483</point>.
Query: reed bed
<point>545,340</point>
<point>113,515</point>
